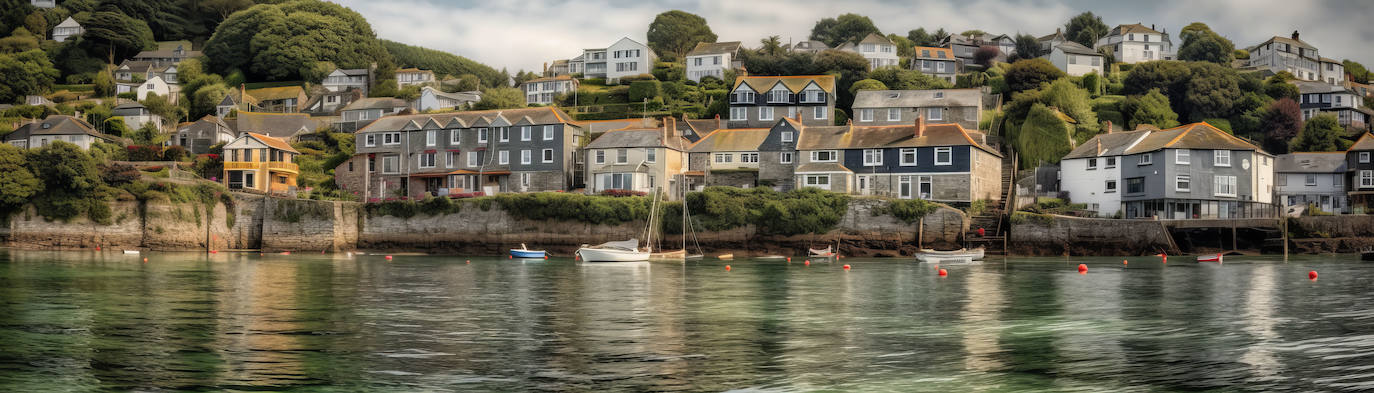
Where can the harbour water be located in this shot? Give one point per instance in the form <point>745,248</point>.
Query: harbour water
<point>81,321</point>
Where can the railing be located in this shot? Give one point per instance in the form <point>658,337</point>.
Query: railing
<point>240,165</point>
<point>289,166</point>
<point>258,165</point>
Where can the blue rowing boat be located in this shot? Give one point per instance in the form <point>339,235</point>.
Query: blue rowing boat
<point>525,252</point>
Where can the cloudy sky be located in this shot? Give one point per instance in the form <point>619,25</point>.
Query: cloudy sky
<point>526,34</point>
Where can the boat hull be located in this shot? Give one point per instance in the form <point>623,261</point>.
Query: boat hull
<point>607,255</point>
<point>527,253</point>
<point>973,255</point>
<point>1210,258</point>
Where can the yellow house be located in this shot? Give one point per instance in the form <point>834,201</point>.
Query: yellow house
<point>260,163</point>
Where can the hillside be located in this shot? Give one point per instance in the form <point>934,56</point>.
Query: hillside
<point>442,62</point>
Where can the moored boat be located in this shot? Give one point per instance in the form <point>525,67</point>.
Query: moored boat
<point>1209,258</point>
<point>827,252</point>
<point>526,252</point>
<point>621,251</point>
<point>927,255</point>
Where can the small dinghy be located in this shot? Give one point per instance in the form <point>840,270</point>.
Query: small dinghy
<point>964,255</point>
<point>771,258</point>
<point>621,251</point>
<point>1210,258</point>
<point>131,251</point>
<point>725,256</point>
<point>827,252</point>
<point>526,252</point>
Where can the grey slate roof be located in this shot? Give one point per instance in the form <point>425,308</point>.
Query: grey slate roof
<point>638,137</point>
<point>544,115</point>
<point>917,98</point>
<point>1325,162</point>
<point>376,103</point>
<point>1306,87</point>
<point>707,48</point>
<point>1113,144</point>
<point>1077,49</point>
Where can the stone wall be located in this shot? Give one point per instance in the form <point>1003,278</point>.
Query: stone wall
<point>1323,234</point>
<point>1033,234</point>
<point>306,225</point>
<point>27,229</point>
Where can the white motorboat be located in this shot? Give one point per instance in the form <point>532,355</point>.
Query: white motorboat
<point>927,255</point>
<point>621,251</point>
<point>827,252</point>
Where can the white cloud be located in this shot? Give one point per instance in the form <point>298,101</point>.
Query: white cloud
<point>526,34</point>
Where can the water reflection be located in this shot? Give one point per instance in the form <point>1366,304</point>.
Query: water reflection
<point>100,321</point>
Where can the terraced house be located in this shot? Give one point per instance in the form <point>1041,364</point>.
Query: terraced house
<point>1195,171</point>
<point>636,158</point>
<point>512,150</point>
<point>938,162</point>
<point>726,157</point>
<point>891,107</point>
<point>759,101</point>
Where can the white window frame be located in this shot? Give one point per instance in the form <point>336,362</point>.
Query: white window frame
<point>395,166</point>
<point>724,158</point>
<point>1224,186</point>
<point>739,113</point>
<point>1221,158</point>
<point>424,158</point>
<point>865,115</point>
<point>787,137</point>
<point>1111,162</point>
<point>1366,178</point>
<point>391,138</point>
<point>815,181</point>
<point>503,157</point>
<point>765,113</point>
<point>622,156</point>
<point>834,155</point>
<point>526,157</point>
<point>749,158</point>
<point>820,112</point>
<point>526,133</point>
<point>935,114</point>
<point>455,136</point>
<point>483,134</point>
<point>448,159</point>
<point>370,140</point>
<point>779,94</point>
<point>903,156</point>
<point>650,155</point>
<point>1092,164</point>
<point>548,132</point>
<point>1110,187</point>
<point>431,137</point>
<point>894,114</point>
<point>503,133</point>
<point>1144,159</point>
<point>1183,157</point>
<point>600,156</point>
<point>1364,157</point>
<point>949,155</point>
<point>1183,179</point>
<point>785,157</point>
<point>1310,179</point>
<point>873,157</point>
<point>546,156</point>
<point>472,159</point>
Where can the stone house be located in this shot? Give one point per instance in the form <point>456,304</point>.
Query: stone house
<point>511,150</point>
<point>260,163</point>
<point>1360,174</point>
<point>414,76</point>
<point>726,157</point>
<point>759,101</point>
<point>1316,179</point>
<point>198,136</point>
<point>1196,171</point>
<point>1135,43</point>
<point>889,107</point>
<point>58,128</point>
<point>937,62</point>
<point>638,159</point>
<point>712,59</point>
<point>695,129</point>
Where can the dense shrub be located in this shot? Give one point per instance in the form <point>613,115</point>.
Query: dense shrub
<point>907,210</point>
<point>806,210</point>
<point>117,174</point>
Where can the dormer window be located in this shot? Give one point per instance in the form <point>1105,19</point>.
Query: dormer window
<point>744,96</point>
<point>779,94</point>
<point>812,94</point>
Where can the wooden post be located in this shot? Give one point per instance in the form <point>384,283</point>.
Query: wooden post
<point>1285,238</point>
<point>1233,235</point>
<point>920,234</point>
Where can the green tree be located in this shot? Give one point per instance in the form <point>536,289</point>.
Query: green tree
<point>443,63</point>
<point>1152,108</point>
<point>848,67</point>
<point>1043,138</point>
<point>109,32</point>
<point>1027,47</point>
<point>36,22</point>
<point>920,37</point>
<point>13,12</point>
<point>867,84</point>
<point>17,183</point>
<point>1321,133</point>
<point>1200,43</point>
<point>903,79</point>
<point>501,98</point>
<point>64,166</point>
<point>1212,91</point>
<point>104,84</point>
<point>1357,71</point>
<point>468,82</point>
<point>145,135</point>
<point>25,73</point>
<point>318,71</point>
<point>641,90</point>
<point>1281,123</point>
<point>842,29</point>
<point>1085,28</point>
<point>1031,74</point>
<point>673,33</point>
<point>19,41</point>
<point>973,33</point>
<point>771,46</point>
<point>283,41</point>
<point>207,98</point>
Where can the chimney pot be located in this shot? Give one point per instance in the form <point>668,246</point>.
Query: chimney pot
<point>1295,35</point>
<point>1109,126</point>
<point>920,125</point>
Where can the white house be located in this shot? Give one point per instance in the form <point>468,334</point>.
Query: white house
<point>712,59</point>
<point>1075,59</point>
<point>1333,71</point>
<point>414,76</point>
<point>1287,54</point>
<point>544,90</point>
<point>628,57</point>
<point>157,86</point>
<point>435,99</point>
<point>67,29</point>
<point>1317,179</point>
<point>43,3</point>
<point>344,79</point>
<point>878,50</point>
<point>1136,43</point>
<point>1091,173</point>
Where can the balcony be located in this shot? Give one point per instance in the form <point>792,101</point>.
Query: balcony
<point>258,166</point>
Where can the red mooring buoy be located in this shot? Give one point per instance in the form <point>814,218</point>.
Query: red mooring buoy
<point>1312,275</point>
<point>808,262</point>
<point>388,257</point>
<point>1124,262</point>
<point>943,273</point>
<point>1082,269</point>
<point>846,267</point>
<point>727,268</point>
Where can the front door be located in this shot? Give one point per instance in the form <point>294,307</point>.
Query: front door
<point>248,181</point>
<point>864,185</point>
<point>923,183</point>
<point>904,187</point>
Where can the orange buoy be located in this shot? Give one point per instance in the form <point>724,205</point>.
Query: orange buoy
<point>808,262</point>
<point>943,273</point>
<point>214,252</point>
<point>789,259</point>
<point>546,257</point>
<point>469,262</point>
<point>1124,262</point>
<point>1082,269</point>
<point>727,268</point>
<point>97,248</point>
<point>846,267</point>
<point>1312,275</point>
<point>510,257</point>
<point>285,253</point>
<point>145,260</point>
<point>388,257</point>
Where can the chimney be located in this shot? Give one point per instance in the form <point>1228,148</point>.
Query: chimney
<point>1109,126</point>
<point>669,128</point>
<point>743,72</point>
<point>718,123</point>
<point>546,68</point>
<point>920,125</point>
<point>1099,146</point>
<point>799,116</point>
<point>1295,35</point>
<point>1152,26</point>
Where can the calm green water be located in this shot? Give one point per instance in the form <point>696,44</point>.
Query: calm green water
<point>79,321</point>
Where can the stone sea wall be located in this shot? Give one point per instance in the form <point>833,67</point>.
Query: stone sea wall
<point>1045,235</point>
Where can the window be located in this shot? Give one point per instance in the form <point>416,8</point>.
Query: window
<point>1364,157</point>
<point>650,154</point>
<point>1182,183</point>
<point>1092,164</point>
<point>865,115</point>
<point>1143,159</point>
<point>1135,185</point>
<point>1222,158</point>
<point>944,156</point>
<point>391,138</point>
<point>600,156</point>
<point>779,94</point>
<point>739,113</point>
<point>818,112</point>
<point>1183,156</point>
<point>894,114</point>
<point>745,97</point>
<point>818,181</point>
<point>455,136</point>
<point>1311,179</point>
<point>503,157</point>
<point>1283,180</point>
<point>1225,185</point>
<point>785,157</point>
<point>481,135</point>
<point>873,157</point>
<point>765,113</point>
<point>622,156</point>
<point>1111,186</point>
<point>1111,162</point>
<point>431,137</point>
<point>427,160</point>
<point>371,165</point>
<point>940,66</point>
<point>370,140</point>
<point>391,164</point>
<point>812,95</point>
<point>525,133</point>
<point>548,133</point>
<point>749,157</point>
<point>525,157</point>
<point>548,156</point>
<point>448,159</point>
<point>908,157</point>
<point>525,180</point>
<point>504,133</point>
<point>824,156</point>
<point>934,114</point>
<point>724,158</point>
<point>474,159</point>
<point>787,136</point>
<point>791,112</point>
